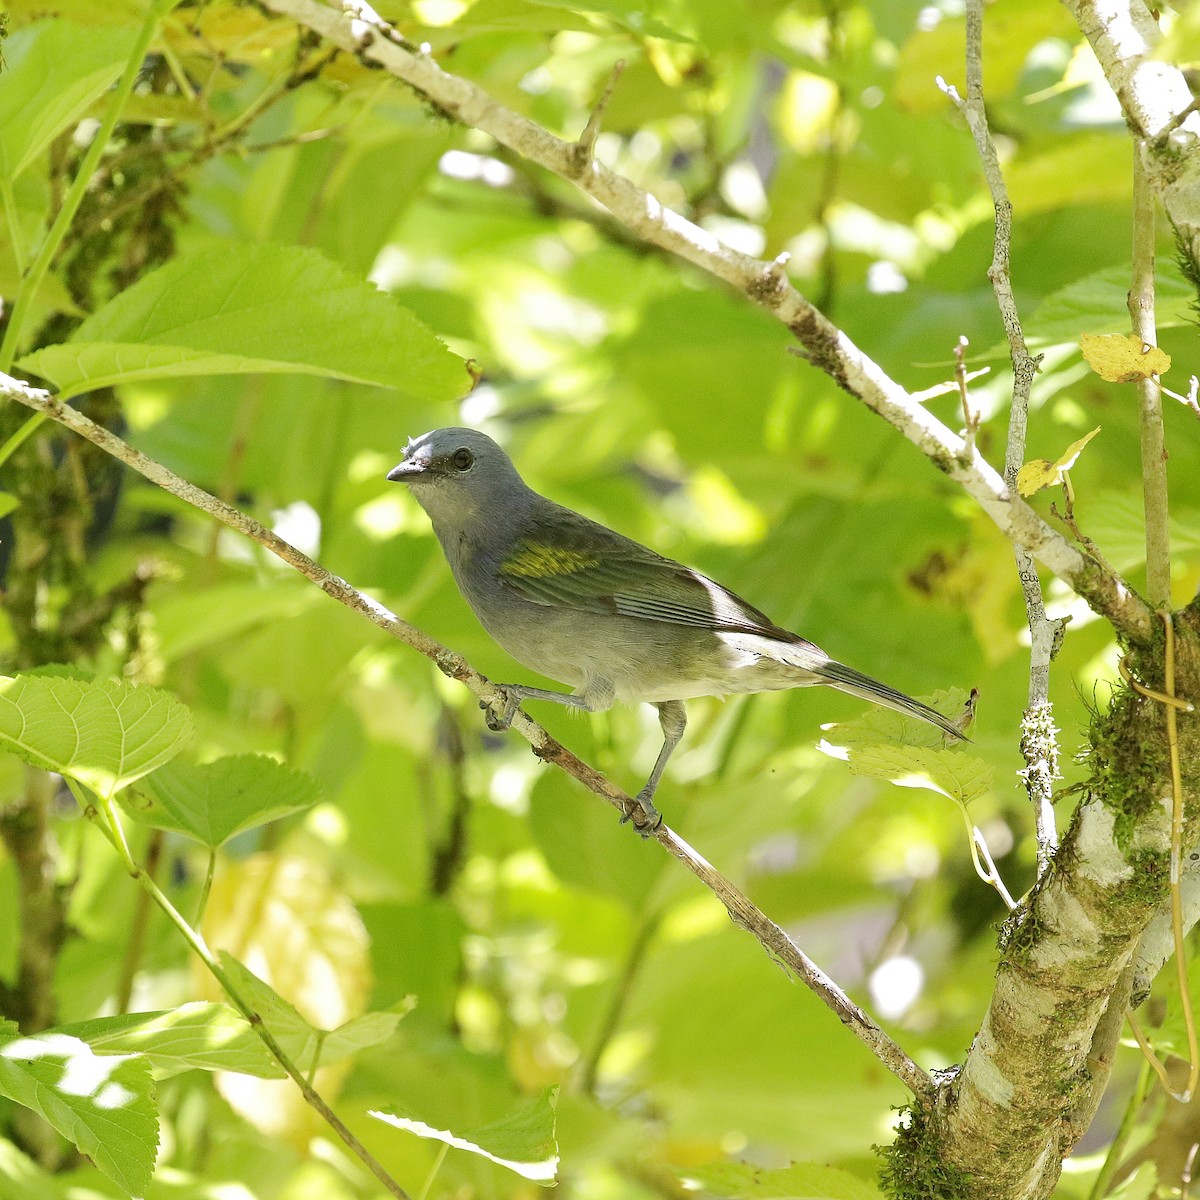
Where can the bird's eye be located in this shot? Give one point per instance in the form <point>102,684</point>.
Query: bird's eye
<point>463,459</point>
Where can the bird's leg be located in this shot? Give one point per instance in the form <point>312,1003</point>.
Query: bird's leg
<point>672,716</point>
<point>515,694</point>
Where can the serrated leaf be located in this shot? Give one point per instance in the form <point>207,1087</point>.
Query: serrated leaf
<point>1122,358</point>
<point>523,1141</point>
<point>883,745</point>
<point>215,801</point>
<point>54,70</point>
<point>742,1181</point>
<point>104,734</point>
<point>253,309</point>
<point>306,1045</point>
<point>200,1035</point>
<point>104,1105</point>
<point>1040,473</point>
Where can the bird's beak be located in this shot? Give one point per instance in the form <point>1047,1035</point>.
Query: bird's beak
<point>406,469</point>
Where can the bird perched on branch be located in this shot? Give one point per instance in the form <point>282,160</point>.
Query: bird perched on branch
<point>579,603</point>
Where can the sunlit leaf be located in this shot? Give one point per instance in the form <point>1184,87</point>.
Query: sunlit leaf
<point>204,1036</point>
<point>104,734</point>
<point>523,1141</point>
<point>103,1105</point>
<point>881,744</point>
<point>239,309</point>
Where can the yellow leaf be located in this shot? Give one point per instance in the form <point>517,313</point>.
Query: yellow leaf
<point>1035,475</point>
<point>1122,358</point>
<point>1039,473</point>
<point>1066,460</point>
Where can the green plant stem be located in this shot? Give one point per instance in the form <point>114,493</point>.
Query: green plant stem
<point>433,1171</point>
<point>620,997</point>
<point>74,197</point>
<point>14,443</point>
<point>1154,451</point>
<point>102,812</point>
<point>141,921</point>
<point>1112,1160</point>
<point>14,226</point>
<point>206,890</point>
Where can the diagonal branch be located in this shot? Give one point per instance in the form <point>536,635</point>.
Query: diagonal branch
<point>378,44</point>
<point>741,911</point>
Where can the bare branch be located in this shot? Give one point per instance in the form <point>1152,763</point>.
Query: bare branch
<point>825,345</point>
<point>741,910</point>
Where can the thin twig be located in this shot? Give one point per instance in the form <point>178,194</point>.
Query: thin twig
<point>378,44</point>
<point>1154,451</point>
<point>1191,400</point>
<point>585,147</point>
<point>740,909</point>
<point>1038,742</point>
<point>970,419</point>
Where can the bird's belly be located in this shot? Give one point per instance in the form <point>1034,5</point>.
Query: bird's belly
<point>635,660</point>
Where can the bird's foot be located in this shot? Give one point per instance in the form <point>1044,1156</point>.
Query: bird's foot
<point>642,813</point>
<point>499,720</point>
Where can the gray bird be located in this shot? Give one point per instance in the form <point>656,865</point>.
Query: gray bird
<point>577,602</point>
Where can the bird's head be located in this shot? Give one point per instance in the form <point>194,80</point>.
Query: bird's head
<point>458,475</point>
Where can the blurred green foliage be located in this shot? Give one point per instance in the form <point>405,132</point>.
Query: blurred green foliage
<point>545,945</point>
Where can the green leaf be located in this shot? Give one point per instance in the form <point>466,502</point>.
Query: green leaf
<point>200,1035</point>
<point>308,1046</point>
<point>7,503</point>
<point>214,801</point>
<point>887,745</point>
<point>1097,304</point>
<point>105,734</point>
<point>103,1105</point>
<point>54,70</point>
<point>523,1141</point>
<point>238,309</point>
<point>741,1181</point>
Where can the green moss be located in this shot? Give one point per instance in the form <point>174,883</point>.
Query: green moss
<point>1128,767</point>
<point>911,1168</point>
<point>1150,880</point>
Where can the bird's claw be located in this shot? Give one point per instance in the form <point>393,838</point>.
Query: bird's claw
<point>498,722</point>
<point>642,813</point>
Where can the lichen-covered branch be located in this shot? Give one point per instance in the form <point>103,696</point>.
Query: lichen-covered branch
<point>361,32</point>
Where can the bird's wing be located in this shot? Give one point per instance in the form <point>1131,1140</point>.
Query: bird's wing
<point>572,561</point>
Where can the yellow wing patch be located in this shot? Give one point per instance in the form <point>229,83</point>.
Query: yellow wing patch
<point>535,561</point>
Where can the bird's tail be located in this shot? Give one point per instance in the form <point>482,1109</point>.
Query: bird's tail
<point>855,683</point>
